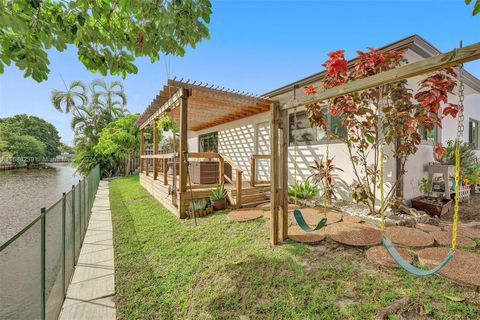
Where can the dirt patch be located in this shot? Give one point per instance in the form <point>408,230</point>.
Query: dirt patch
<point>247,214</point>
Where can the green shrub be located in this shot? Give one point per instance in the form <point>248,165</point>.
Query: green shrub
<point>303,190</point>
<point>219,193</point>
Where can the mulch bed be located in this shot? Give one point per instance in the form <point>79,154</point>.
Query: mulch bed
<point>428,227</point>
<point>352,219</point>
<point>444,238</point>
<point>409,237</point>
<point>298,235</point>
<point>463,268</point>
<point>246,214</point>
<point>353,234</point>
<point>380,255</point>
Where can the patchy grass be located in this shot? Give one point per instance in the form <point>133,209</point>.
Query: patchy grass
<point>172,269</point>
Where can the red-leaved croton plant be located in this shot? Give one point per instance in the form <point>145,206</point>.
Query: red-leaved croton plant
<point>390,113</point>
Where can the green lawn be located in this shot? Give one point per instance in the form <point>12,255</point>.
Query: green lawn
<point>171,269</point>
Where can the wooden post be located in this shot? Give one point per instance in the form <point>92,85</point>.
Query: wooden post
<point>147,166</point>
<point>239,189</point>
<point>183,150</point>
<point>284,175</point>
<point>155,151</point>
<point>252,171</point>
<point>221,170</point>
<point>274,115</point>
<point>165,171</point>
<point>142,148</point>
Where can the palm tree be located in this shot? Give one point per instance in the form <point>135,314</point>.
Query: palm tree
<point>74,97</point>
<point>111,97</point>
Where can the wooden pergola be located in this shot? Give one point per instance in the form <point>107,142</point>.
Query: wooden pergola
<point>279,124</point>
<point>194,107</point>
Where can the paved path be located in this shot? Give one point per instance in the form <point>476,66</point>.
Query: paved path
<point>91,292</point>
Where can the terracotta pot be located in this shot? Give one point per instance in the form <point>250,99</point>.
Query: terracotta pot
<point>220,204</point>
<point>420,203</point>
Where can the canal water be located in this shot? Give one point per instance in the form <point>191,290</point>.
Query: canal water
<point>22,193</point>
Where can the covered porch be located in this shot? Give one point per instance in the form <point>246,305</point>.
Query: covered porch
<point>177,176</point>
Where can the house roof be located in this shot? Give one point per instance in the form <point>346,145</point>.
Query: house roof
<point>414,42</point>
<point>207,106</point>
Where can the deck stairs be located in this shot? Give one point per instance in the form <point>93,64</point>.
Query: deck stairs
<point>251,196</point>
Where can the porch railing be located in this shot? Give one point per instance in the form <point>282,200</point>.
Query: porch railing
<point>253,168</point>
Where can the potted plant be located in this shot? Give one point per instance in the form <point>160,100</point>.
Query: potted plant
<point>219,198</point>
<point>428,203</point>
<point>197,208</point>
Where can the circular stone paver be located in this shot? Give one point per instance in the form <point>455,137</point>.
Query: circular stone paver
<point>353,234</point>
<point>466,231</point>
<point>428,227</point>
<point>298,235</point>
<point>352,219</point>
<point>245,214</point>
<point>464,266</point>
<point>409,237</point>
<point>313,215</point>
<point>444,238</point>
<point>380,255</point>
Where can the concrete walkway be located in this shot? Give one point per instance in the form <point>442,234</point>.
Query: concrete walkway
<point>91,292</point>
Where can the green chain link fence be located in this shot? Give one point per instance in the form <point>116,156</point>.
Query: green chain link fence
<point>45,252</point>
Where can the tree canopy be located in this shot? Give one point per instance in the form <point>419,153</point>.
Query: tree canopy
<point>476,6</point>
<point>109,35</point>
<point>41,130</point>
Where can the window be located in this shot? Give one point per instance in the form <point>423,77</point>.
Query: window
<point>430,137</point>
<point>208,142</point>
<point>305,134</point>
<point>473,133</point>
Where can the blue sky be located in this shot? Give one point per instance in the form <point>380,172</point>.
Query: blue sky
<point>257,46</point>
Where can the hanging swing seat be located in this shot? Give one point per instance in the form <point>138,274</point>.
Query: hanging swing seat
<point>408,266</point>
<point>297,214</point>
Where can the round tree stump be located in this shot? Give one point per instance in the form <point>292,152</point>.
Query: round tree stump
<point>444,238</point>
<point>298,235</point>
<point>380,255</point>
<point>428,227</point>
<point>409,237</point>
<point>463,268</point>
<point>353,234</point>
<point>246,214</point>
<point>352,219</point>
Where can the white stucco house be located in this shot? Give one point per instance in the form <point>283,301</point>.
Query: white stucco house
<point>243,134</point>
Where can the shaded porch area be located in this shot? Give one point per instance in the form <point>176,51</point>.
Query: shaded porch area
<point>177,176</point>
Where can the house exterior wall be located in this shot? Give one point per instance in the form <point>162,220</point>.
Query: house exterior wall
<point>242,138</point>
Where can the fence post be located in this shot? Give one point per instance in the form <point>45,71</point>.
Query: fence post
<point>80,213</point>
<point>42,262</point>
<point>64,207</point>
<point>73,226</point>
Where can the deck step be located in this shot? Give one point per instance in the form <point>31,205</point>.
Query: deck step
<point>254,203</point>
<point>253,197</point>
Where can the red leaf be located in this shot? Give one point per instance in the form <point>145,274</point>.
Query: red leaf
<point>310,90</point>
<point>439,150</point>
<point>450,109</point>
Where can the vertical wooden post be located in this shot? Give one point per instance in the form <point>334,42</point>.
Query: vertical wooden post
<point>165,171</point>
<point>147,166</point>
<point>182,150</point>
<point>155,151</point>
<point>274,112</point>
<point>142,148</point>
<point>221,170</point>
<point>253,169</point>
<point>239,189</point>
<point>283,173</point>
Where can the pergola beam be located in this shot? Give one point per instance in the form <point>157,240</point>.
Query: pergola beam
<point>170,103</point>
<point>439,62</point>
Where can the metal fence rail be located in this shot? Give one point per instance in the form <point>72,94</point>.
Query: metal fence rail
<point>44,254</point>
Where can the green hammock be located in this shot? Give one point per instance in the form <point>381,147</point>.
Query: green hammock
<point>407,266</point>
<point>303,224</point>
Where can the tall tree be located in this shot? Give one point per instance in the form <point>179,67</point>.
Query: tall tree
<point>108,35</point>
<point>110,96</point>
<point>40,129</point>
<point>73,97</point>
<point>476,6</point>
